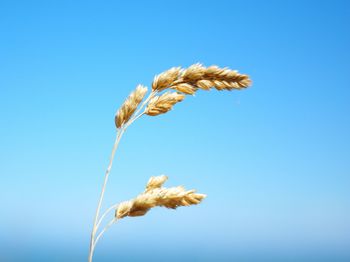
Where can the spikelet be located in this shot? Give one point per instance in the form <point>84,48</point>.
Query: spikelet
<point>204,84</point>
<point>130,105</point>
<point>185,88</point>
<point>164,103</point>
<point>155,195</point>
<point>124,209</point>
<point>165,79</point>
<point>156,182</point>
<point>193,73</point>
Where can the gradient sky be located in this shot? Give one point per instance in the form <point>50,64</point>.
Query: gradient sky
<point>273,159</point>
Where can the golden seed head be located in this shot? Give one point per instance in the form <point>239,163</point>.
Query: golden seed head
<point>155,195</point>
<point>194,72</point>
<point>196,76</point>
<point>130,105</point>
<point>156,182</point>
<point>123,209</point>
<point>164,103</point>
<point>165,79</point>
<point>225,78</point>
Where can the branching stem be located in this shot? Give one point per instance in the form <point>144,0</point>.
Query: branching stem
<point>94,229</point>
<point>106,213</point>
<point>97,220</point>
<point>104,230</point>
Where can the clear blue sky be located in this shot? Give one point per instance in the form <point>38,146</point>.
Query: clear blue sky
<point>273,159</point>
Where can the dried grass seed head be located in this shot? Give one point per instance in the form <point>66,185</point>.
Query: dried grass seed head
<point>193,73</point>
<point>155,195</point>
<point>224,79</point>
<point>123,209</point>
<point>165,79</point>
<point>156,182</point>
<point>197,76</point>
<point>163,103</point>
<point>130,105</point>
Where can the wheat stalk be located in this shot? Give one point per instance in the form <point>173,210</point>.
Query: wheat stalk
<point>168,89</point>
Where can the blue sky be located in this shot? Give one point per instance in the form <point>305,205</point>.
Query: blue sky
<point>273,159</point>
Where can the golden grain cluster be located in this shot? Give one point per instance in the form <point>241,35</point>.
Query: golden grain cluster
<point>180,82</point>
<point>156,195</point>
<point>130,105</point>
<point>199,77</point>
<point>164,103</point>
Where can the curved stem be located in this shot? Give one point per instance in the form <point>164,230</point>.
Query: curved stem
<point>106,213</point>
<point>97,221</point>
<point>151,95</point>
<point>133,119</point>
<point>94,229</point>
<point>104,230</point>
<point>115,205</point>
